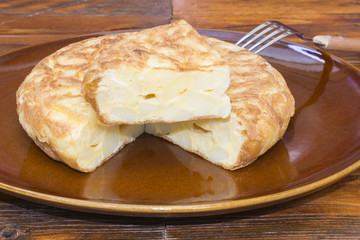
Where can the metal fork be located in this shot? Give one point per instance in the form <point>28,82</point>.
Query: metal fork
<point>267,34</point>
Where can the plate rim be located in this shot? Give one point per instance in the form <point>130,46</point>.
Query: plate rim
<point>177,210</point>
<point>172,210</point>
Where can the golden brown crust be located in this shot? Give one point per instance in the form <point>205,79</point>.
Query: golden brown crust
<point>175,46</point>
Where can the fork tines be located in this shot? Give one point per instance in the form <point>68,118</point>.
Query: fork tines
<point>268,32</point>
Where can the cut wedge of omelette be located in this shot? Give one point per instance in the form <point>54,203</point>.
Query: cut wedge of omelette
<point>167,73</point>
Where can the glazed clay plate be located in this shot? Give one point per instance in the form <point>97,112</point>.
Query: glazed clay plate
<point>151,177</point>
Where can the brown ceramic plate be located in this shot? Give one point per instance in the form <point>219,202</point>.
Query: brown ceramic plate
<point>152,177</point>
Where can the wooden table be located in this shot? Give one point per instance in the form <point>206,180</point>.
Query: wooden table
<point>332,213</point>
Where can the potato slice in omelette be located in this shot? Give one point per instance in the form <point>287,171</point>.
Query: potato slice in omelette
<point>164,74</point>
<point>262,106</point>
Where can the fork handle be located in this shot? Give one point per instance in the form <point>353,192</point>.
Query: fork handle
<point>338,43</point>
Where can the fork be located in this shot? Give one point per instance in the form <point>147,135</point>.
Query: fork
<point>272,31</point>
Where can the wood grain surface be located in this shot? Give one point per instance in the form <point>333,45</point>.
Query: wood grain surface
<point>332,213</point>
